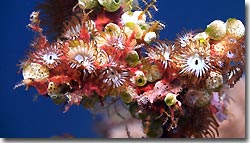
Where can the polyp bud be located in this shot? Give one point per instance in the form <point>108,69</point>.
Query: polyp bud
<point>133,58</point>
<point>170,99</point>
<point>112,28</point>
<point>139,78</point>
<point>235,27</point>
<point>128,95</point>
<point>216,29</point>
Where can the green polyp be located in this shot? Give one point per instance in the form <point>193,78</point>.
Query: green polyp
<point>140,81</point>
<point>208,30</point>
<point>131,25</point>
<point>112,28</point>
<point>130,13</point>
<point>110,5</point>
<point>133,59</point>
<point>235,28</point>
<point>216,29</point>
<point>231,19</point>
<point>136,28</point>
<point>213,34</point>
<point>202,40</point>
<point>170,99</point>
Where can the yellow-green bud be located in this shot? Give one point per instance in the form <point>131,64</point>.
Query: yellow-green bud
<point>202,37</point>
<point>126,97</point>
<point>128,94</point>
<point>216,29</point>
<point>235,27</point>
<point>139,78</point>
<point>170,99</point>
<point>110,5</point>
<point>112,28</point>
<point>135,28</point>
<point>133,58</point>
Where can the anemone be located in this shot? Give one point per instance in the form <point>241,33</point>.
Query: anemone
<point>184,38</point>
<point>114,37</point>
<point>194,60</point>
<point>82,56</point>
<point>71,28</point>
<point>114,75</point>
<point>49,56</point>
<point>161,52</point>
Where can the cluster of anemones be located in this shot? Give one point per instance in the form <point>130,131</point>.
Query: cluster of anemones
<point>93,46</point>
<point>106,49</point>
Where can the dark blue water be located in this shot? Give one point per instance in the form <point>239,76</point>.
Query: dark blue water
<point>21,117</point>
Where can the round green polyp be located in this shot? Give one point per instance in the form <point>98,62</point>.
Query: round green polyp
<point>132,59</point>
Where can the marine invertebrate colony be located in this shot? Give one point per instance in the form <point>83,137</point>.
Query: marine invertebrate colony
<point>109,49</point>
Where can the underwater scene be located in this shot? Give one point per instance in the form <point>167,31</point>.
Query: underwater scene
<point>123,69</point>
